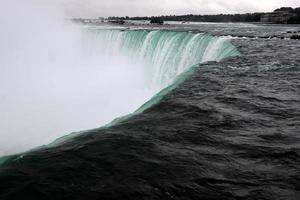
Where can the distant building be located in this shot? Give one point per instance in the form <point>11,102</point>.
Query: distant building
<point>277,17</point>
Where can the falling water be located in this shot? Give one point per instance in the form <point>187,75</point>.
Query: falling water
<point>163,54</point>
<point>110,73</point>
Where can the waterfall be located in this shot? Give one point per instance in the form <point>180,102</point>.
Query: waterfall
<point>165,57</point>
<point>163,54</point>
<point>83,81</point>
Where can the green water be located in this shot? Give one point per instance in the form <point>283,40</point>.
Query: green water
<point>163,54</point>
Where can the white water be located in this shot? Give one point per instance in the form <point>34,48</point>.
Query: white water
<point>163,55</point>
<point>56,78</point>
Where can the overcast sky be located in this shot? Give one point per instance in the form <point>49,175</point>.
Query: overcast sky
<point>93,8</point>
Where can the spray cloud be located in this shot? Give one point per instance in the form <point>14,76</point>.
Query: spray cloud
<point>49,85</point>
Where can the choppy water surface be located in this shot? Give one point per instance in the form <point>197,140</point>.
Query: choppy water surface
<point>229,131</point>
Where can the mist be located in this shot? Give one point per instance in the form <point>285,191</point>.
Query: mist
<point>50,85</point>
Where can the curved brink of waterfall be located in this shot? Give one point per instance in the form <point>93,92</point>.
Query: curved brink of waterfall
<point>168,59</point>
<point>164,54</point>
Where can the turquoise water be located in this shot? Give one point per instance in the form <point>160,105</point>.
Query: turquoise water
<point>163,54</point>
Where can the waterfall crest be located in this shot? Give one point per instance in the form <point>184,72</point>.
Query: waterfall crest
<point>164,54</point>
<point>88,81</point>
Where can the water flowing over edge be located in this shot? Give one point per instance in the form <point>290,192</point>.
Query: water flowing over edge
<point>163,54</point>
<point>169,58</point>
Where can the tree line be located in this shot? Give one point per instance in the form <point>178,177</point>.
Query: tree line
<point>248,17</point>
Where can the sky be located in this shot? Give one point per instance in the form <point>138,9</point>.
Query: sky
<point>105,8</point>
